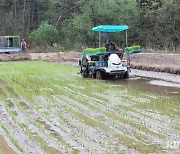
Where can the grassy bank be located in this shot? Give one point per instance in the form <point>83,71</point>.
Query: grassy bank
<point>56,110</point>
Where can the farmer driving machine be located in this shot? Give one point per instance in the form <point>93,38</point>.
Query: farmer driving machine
<point>107,61</point>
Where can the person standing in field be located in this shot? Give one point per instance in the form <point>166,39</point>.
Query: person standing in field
<point>23,45</point>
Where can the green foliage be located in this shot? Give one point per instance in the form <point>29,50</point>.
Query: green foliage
<point>152,23</point>
<point>46,34</point>
<point>97,13</point>
<point>160,25</point>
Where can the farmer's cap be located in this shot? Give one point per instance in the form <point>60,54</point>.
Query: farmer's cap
<point>109,40</point>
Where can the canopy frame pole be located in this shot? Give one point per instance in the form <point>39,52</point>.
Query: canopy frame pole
<point>99,39</point>
<point>128,54</point>
<point>2,42</point>
<point>126,39</point>
<point>8,42</point>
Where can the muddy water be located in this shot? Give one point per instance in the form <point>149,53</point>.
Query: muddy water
<point>4,146</point>
<point>161,84</point>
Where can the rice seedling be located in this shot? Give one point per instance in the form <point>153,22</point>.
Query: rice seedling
<point>59,110</point>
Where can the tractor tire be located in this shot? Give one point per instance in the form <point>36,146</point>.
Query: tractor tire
<point>84,72</point>
<point>91,76</point>
<point>126,75</point>
<point>98,75</point>
<point>85,75</point>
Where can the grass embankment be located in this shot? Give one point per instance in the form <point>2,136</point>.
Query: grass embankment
<point>60,111</point>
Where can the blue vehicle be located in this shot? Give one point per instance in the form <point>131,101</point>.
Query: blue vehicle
<point>107,62</point>
<point>9,44</point>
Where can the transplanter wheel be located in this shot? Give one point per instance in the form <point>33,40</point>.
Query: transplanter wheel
<point>91,75</point>
<point>126,75</point>
<point>84,74</point>
<point>98,75</point>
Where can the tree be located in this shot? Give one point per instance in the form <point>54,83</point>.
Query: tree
<point>46,34</point>
<point>159,22</point>
<point>96,12</point>
<point>152,23</point>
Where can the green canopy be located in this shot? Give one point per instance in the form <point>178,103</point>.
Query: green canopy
<point>110,28</point>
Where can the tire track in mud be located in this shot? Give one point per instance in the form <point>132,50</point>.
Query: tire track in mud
<point>6,145</point>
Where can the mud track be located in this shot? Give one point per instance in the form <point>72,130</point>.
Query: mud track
<point>158,62</point>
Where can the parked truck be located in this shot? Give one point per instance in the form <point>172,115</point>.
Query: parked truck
<point>9,44</point>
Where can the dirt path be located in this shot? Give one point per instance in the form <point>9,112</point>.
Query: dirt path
<point>159,62</point>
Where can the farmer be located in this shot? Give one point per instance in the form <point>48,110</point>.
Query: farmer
<point>23,45</point>
<point>111,47</point>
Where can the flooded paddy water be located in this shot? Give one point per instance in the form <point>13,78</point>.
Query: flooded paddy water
<point>157,84</point>
<point>49,108</point>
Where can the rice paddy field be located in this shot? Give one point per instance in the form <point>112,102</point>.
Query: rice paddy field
<point>49,108</point>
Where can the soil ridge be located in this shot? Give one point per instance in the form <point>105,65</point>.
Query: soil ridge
<point>159,62</point>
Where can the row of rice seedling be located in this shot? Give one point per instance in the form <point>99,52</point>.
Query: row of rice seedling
<point>18,119</point>
<point>25,129</point>
<point>37,124</point>
<point>66,113</point>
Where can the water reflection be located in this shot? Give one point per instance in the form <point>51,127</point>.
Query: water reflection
<point>150,85</point>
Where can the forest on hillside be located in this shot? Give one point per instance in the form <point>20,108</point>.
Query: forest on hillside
<point>152,23</point>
